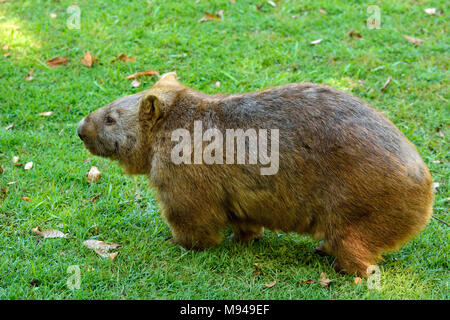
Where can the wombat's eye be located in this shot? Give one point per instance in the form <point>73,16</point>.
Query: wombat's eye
<point>110,120</point>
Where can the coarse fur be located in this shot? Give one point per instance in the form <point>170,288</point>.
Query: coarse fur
<point>346,174</point>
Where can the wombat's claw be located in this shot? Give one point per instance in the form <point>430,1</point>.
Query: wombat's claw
<point>320,250</point>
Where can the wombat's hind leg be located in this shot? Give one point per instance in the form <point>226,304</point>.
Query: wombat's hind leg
<point>245,233</point>
<point>353,256</point>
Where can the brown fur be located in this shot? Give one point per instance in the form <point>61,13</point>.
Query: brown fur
<point>346,174</point>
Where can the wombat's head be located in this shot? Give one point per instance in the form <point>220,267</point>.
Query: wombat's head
<point>121,129</point>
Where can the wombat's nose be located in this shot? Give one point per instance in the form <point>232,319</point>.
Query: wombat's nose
<point>80,130</point>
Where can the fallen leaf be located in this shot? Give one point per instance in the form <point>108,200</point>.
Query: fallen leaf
<point>26,199</point>
<point>259,7</point>
<point>18,164</point>
<point>56,62</point>
<point>433,11</point>
<point>95,197</point>
<point>208,17</point>
<point>323,280</point>
<point>102,248</point>
<point>218,84</point>
<point>437,161</point>
<point>416,41</point>
<point>322,11</point>
<point>135,83</point>
<point>386,84</point>
<point>88,60</point>
<point>28,165</point>
<point>100,245</point>
<point>309,281</point>
<point>35,283</point>
<point>46,113</point>
<point>29,77</point>
<point>93,176</point>
<point>53,15</point>
<point>1,169</point>
<point>15,159</point>
<point>10,126</point>
<point>124,57</point>
<point>143,73</point>
<point>7,54</point>
<point>270,285</point>
<point>316,41</point>
<point>50,233</point>
<point>11,183</point>
<point>353,34</point>
<point>440,133</point>
<point>233,1</point>
<point>357,280</point>
<point>5,47</point>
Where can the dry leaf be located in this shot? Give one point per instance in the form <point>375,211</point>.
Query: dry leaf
<point>26,199</point>
<point>135,83</point>
<point>7,54</point>
<point>309,281</point>
<point>93,176</point>
<point>386,83</point>
<point>46,113</point>
<point>10,126</point>
<point>5,47</point>
<point>316,41</point>
<point>15,159</point>
<point>218,84</point>
<point>433,11</point>
<point>322,11</point>
<point>415,41</point>
<point>357,280</point>
<point>28,165</point>
<point>53,15</point>
<point>29,77</point>
<point>353,34</point>
<point>270,285</point>
<point>437,161</point>
<point>323,280</point>
<point>102,248</point>
<point>95,197</point>
<point>11,183</point>
<point>100,245</point>
<point>58,61</point>
<point>88,60</point>
<point>440,133</point>
<point>143,73</point>
<point>233,1</point>
<point>208,17</point>
<point>50,233</point>
<point>18,164</point>
<point>124,57</point>
<point>1,169</point>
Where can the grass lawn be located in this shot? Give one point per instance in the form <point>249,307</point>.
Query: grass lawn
<point>250,49</point>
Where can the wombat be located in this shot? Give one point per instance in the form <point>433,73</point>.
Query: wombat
<point>340,171</point>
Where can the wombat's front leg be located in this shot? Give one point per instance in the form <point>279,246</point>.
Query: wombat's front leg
<point>195,231</point>
<point>245,232</point>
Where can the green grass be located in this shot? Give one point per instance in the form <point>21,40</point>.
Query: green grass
<point>249,50</point>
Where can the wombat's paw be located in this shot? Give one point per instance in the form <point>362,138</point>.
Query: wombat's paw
<point>321,251</point>
<point>245,239</point>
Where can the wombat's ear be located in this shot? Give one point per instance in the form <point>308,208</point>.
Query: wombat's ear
<point>150,108</point>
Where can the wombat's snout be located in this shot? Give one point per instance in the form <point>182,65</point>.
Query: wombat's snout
<point>85,129</point>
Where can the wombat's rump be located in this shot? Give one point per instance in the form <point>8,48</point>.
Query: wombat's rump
<point>346,174</point>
